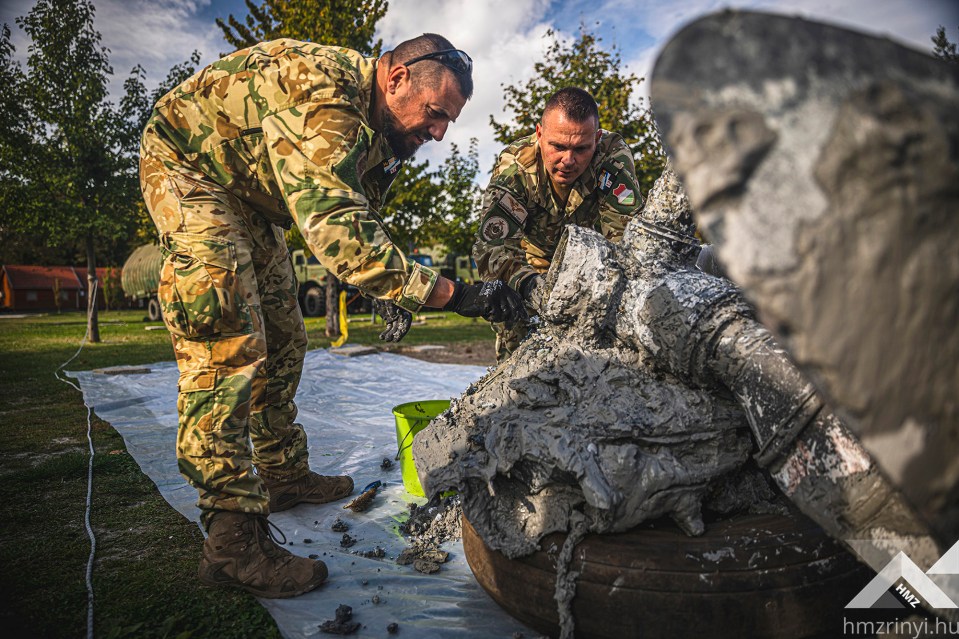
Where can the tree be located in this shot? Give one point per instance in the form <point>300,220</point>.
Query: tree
<point>586,64</point>
<point>347,23</point>
<point>73,176</point>
<point>68,169</point>
<point>410,207</point>
<point>942,48</point>
<point>459,200</point>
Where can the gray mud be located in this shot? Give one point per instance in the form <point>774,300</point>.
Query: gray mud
<point>594,413</point>
<point>428,527</point>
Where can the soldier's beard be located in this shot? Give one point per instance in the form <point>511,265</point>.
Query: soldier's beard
<point>404,145</point>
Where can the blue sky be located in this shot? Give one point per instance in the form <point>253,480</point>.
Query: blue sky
<point>504,37</point>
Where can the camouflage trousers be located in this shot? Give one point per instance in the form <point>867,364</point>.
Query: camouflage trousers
<point>229,300</point>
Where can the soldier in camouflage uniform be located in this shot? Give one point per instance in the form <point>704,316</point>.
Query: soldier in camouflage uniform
<point>280,133</point>
<point>569,172</point>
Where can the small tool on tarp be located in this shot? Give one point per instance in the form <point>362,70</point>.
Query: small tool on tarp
<point>363,502</point>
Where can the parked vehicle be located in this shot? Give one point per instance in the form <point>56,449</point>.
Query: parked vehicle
<point>312,278</point>
<point>465,270</point>
<point>140,279</point>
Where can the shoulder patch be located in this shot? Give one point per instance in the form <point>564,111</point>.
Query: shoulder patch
<point>624,195</point>
<point>494,228</point>
<point>391,166</point>
<point>513,208</point>
<point>605,181</point>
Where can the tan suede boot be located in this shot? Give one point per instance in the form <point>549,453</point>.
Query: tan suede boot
<point>242,552</point>
<point>310,488</point>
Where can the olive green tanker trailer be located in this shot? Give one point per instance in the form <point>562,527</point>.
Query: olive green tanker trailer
<point>141,278</point>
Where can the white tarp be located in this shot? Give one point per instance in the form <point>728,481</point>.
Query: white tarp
<point>346,407</point>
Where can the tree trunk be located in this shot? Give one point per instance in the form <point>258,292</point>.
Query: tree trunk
<point>332,306</point>
<point>93,327</point>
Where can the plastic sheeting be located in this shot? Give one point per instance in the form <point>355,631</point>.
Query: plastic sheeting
<point>346,407</point>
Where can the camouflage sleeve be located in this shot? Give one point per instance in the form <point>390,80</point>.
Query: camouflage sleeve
<point>498,250</point>
<point>621,197</point>
<point>318,151</point>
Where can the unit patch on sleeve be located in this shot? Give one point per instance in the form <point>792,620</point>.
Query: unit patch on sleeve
<point>495,228</point>
<point>513,208</point>
<point>391,166</point>
<point>605,181</point>
<point>624,195</point>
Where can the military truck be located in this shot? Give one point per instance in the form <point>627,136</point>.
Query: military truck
<point>312,278</point>
<point>465,269</point>
<point>140,279</point>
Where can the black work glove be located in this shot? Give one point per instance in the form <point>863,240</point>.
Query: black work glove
<point>532,290</point>
<point>398,320</point>
<point>493,301</point>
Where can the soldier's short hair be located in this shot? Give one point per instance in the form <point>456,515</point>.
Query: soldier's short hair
<point>430,71</point>
<point>575,103</point>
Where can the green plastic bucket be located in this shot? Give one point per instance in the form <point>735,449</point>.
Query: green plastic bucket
<point>411,418</point>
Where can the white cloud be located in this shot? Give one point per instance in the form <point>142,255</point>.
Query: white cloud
<point>156,34</point>
<point>504,37</point>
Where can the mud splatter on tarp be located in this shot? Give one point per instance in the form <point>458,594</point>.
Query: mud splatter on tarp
<point>429,526</point>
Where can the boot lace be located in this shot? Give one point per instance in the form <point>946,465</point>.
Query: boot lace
<point>270,542</point>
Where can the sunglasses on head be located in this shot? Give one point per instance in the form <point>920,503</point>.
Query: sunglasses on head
<point>452,59</point>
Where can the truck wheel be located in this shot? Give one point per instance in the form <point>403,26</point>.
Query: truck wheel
<point>153,310</point>
<point>314,301</point>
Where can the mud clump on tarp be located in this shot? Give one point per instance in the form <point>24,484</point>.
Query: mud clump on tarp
<point>342,624</point>
<point>428,527</point>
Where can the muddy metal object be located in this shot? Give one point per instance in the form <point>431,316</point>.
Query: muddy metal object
<point>824,170</point>
<point>767,576</point>
<point>650,383</point>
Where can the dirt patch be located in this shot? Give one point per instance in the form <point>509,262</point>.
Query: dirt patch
<point>479,352</point>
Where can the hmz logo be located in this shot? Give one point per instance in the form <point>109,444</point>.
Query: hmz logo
<point>913,586</point>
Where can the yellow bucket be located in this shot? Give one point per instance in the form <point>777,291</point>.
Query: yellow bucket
<point>411,418</point>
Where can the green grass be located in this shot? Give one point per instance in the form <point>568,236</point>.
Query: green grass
<point>145,570</point>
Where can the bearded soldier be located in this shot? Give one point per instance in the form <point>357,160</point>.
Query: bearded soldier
<point>568,172</point>
<point>280,133</point>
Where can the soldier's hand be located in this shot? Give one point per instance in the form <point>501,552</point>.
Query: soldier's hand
<point>398,320</point>
<point>532,290</point>
<point>493,301</point>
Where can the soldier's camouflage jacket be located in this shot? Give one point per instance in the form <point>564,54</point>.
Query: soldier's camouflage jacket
<point>521,221</point>
<point>285,126</point>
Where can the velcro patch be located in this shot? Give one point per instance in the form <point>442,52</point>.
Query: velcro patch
<point>605,181</point>
<point>495,228</point>
<point>624,195</point>
<point>513,208</point>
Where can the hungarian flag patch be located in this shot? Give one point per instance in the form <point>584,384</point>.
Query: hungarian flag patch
<point>625,196</point>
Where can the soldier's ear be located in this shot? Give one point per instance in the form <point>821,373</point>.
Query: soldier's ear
<point>398,75</point>
<point>539,130</point>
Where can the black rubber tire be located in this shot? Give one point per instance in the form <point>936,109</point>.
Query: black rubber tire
<point>749,576</point>
<point>153,310</point>
<point>313,301</point>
